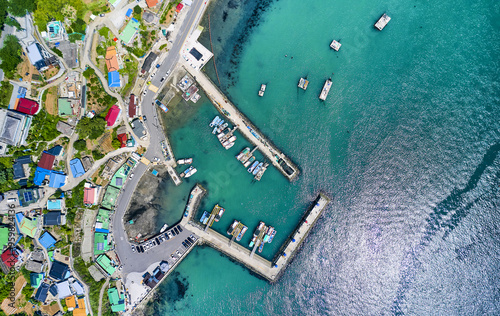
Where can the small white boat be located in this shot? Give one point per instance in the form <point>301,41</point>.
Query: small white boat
<point>164,228</point>
<point>190,172</point>
<point>185,161</point>
<point>212,124</point>
<point>229,145</point>
<point>262,90</point>
<point>335,45</point>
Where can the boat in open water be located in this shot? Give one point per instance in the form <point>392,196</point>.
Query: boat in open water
<point>303,82</point>
<point>163,228</point>
<point>262,90</point>
<point>382,22</point>
<point>326,89</point>
<point>335,45</point>
<point>188,172</point>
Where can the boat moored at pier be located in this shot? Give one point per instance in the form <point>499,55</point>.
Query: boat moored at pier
<point>326,89</point>
<point>242,232</point>
<point>231,228</point>
<point>188,172</point>
<point>185,161</point>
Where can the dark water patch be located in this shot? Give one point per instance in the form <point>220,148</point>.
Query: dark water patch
<point>173,290</point>
<point>452,204</point>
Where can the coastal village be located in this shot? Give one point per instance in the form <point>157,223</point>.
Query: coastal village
<point>80,127</point>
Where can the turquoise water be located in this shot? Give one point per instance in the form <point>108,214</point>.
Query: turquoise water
<point>407,145</point>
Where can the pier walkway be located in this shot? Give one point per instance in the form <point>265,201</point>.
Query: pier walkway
<point>246,128</point>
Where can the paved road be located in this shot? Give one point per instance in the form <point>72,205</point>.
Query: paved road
<point>133,261</point>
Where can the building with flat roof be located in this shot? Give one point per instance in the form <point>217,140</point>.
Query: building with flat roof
<point>63,289</point>
<point>54,218</point>
<point>116,300</point>
<point>4,236</point>
<point>130,30</point>
<point>64,107</point>
<point>101,243</point>
<point>138,127</point>
<point>36,279</point>
<point>195,54</point>
<point>105,263</point>
<point>109,199</point>
<point>102,221</point>
<point>64,128</point>
<point>55,31</point>
<point>54,205</point>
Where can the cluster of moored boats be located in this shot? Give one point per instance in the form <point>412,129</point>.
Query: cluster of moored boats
<point>255,167</point>
<point>190,170</point>
<point>217,212</point>
<point>262,234</point>
<point>237,229</point>
<point>224,134</point>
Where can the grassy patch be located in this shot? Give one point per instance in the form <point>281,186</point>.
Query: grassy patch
<point>94,287</point>
<point>5,93</point>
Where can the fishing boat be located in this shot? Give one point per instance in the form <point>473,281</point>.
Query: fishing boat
<point>271,236</point>
<point>303,82</point>
<point>242,232</point>
<point>335,45</point>
<point>259,174</point>
<point>262,90</point>
<point>190,172</point>
<point>229,145</point>
<point>242,153</point>
<point>185,161</point>
<point>232,227</point>
<point>204,217</point>
<point>257,168</point>
<point>326,89</point>
<point>249,161</point>
<point>232,139</point>
<point>219,214</point>
<point>254,165</point>
<point>261,247</point>
<point>214,131</point>
<point>216,119</point>
<point>222,134</point>
<point>256,233</point>
<point>268,234</point>
<point>163,228</point>
<point>222,127</point>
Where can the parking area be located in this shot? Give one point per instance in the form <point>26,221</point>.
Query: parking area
<point>179,240</point>
<point>70,53</point>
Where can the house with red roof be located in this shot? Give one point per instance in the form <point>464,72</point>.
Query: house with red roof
<point>46,161</point>
<point>9,258</point>
<point>27,106</point>
<point>132,107</point>
<point>151,3</point>
<point>91,194</point>
<point>123,139</point>
<point>112,115</point>
<point>179,7</point>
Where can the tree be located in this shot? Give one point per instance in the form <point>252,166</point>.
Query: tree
<point>10,54</point>
<point>116,143</point>
<point>5,93</point>
<point>13,22</point>
<point>137,9</point>
<point>80,145</point>
<point>21,7</point>
<point>104,31</point>
<point>91,127</point>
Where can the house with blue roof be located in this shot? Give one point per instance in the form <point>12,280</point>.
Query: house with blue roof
<point>42,292</point>
<point>40,175</point>
<point>114,79</point>
<point>56,150</point>
<point>76,167</point>
<point>59,271</point>
<point>57,179</point>
<point>47,240</point>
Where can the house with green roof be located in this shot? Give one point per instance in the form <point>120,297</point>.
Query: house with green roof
<point>120,176</point>
<point>28,226</point>
<point>109,199</point>
<point>4,237</point>
<point>130,31</point>
<point>101,244</point>
<point>105,263</point>
<point>102,221</point>
<point>28,196</point>
<point>64,107</point>
<point>116,300</point>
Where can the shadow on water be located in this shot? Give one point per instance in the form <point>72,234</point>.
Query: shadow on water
<point>455,204</point>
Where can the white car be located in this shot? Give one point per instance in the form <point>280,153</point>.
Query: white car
<point>145,92</point>
<point>131,176</point>
<point>133,248</point>
<point>178,253</point>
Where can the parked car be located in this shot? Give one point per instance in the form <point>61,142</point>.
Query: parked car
<point>188,242</point>
<point>170,234</point>
<point>173,232</point>
<point>142,249</point>
<point>166,236</point>
<point>191,240</point>
<point>178,253</point>
<point>131,176</point>
<point>162,79</point>
<point>157,241</point>
<point>176,231</point>
<point>193,237</point>
<point>144,118</point>
<point>179,228</point>
<point>133,248</point>
<point>184,244</point>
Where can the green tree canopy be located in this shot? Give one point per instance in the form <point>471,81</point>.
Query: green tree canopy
<point>92,128</point>
<point>137,9</point>
<point>10,54</point>
<point>19,7</point>
<point>80,145</point>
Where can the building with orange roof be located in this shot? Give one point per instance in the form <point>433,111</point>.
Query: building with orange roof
<point>80,311</point>
<point>112,59</point>
<point>151,3</point>
<point>70,302</point>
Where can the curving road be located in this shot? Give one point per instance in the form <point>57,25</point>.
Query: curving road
<point>132,261</point>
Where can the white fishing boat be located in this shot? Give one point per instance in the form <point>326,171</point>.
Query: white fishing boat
<point>262,90</point>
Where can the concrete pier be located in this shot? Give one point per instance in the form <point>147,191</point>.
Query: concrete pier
<point>173,174</point>
<point>246,128</point>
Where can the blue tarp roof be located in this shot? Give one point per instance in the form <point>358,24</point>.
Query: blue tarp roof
<point>129,12</point>
<point>47,241</point>
<point>40,175</point>
<point>113,79</point>
<point>42,292</point>
<point>54,204</point>
<point>76,168</point>
<point>102,230</point>
<point>57,179</point>
<point>56,150</point>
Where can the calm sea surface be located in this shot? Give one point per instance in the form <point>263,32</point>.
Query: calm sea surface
<point>407,145</point>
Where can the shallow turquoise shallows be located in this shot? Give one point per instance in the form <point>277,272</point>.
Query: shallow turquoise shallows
<point>407,145</point>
